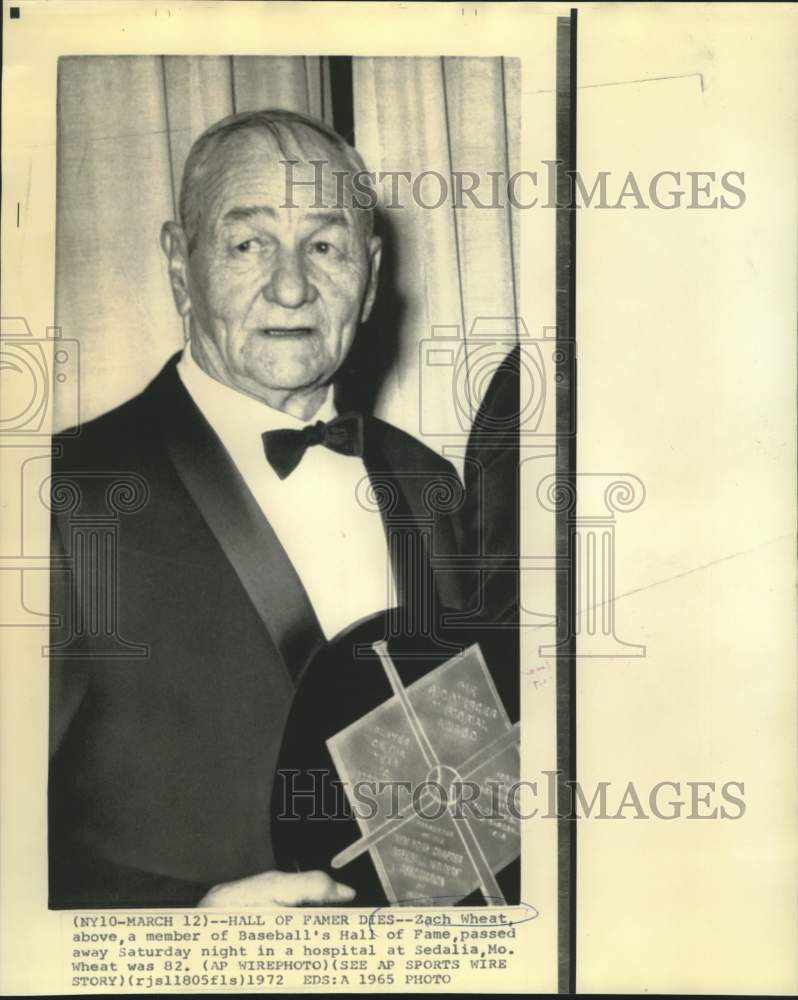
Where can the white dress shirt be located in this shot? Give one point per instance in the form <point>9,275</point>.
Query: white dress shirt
<point>338,548</point>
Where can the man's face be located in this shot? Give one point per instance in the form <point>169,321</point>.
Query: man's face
<point>275,294</point>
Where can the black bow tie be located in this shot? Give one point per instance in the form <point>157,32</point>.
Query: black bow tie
<point>285,448</point>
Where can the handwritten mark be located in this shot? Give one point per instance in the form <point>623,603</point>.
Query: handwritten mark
<point>529,912</point>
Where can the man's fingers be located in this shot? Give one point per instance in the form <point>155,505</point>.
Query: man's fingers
<point>273,888</point>
<point>309,888</point>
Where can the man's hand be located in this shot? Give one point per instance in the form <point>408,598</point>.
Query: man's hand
<point>279,889</point>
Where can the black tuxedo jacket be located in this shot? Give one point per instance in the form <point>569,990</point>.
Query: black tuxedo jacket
<point>182,629</point>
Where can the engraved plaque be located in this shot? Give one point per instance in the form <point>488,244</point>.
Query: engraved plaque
<point>427,774</point>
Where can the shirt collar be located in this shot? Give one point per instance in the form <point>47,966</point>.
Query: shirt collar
<point>229,411</point>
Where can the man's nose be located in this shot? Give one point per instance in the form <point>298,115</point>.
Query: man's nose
<point>288,284</point>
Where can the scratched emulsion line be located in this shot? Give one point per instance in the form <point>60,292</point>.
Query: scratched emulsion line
<point>696,569</point>
<point>625,83</point>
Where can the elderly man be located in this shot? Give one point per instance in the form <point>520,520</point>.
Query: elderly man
<point>253,548</point>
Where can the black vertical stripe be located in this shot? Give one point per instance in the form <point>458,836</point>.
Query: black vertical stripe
<point>343,105</point>
<point>566,486</point>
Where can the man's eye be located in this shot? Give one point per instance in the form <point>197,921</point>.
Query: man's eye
<point>322,247</point>
<point>248,246</point>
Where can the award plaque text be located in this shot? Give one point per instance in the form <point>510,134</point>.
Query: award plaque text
<point>430,775</point>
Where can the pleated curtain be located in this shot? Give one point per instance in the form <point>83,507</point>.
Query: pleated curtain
<point>451,266</point>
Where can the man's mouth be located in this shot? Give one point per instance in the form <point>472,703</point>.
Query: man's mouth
<point>286,331</point>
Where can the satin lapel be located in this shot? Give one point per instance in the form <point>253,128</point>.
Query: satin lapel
<point>238,523</point>
<point>402,489</point>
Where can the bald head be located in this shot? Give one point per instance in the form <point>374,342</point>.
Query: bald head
<point>294,137</point>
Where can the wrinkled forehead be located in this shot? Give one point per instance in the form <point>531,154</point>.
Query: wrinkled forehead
<point>279,169</point>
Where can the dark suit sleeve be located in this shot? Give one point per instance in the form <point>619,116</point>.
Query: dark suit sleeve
<point>69,680</point>
<point>490,515</point>
<point>78,877</point>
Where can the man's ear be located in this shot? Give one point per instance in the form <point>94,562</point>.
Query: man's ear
<point>374,251</point>
<point>175,245</point>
